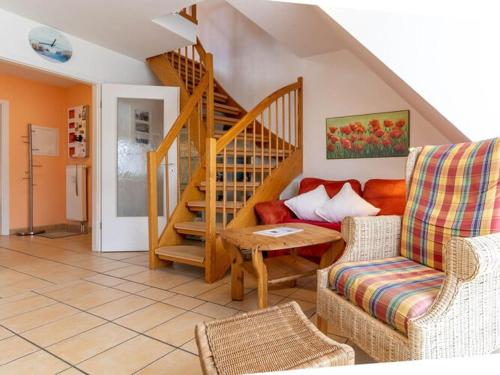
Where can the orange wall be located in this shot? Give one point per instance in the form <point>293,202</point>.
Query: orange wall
<point>45,105</point>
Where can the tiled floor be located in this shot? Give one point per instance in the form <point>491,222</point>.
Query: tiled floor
<point>64,309</point>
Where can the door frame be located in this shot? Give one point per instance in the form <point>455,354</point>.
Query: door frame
<point>4,168</point>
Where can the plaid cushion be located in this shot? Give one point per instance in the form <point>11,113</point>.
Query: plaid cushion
<point>455,191</point>
<point>392,290</point>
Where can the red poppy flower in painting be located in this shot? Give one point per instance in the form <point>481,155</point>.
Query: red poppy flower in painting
<point>399,147</point>
<point>400,123</point>
<point>375,124</point>
<point>333,129</point>
<point>346,130</point>
<point>379,133</point>
<point>359,147</point>
<point>396,133</point>
<point>334,139</point>
<point>330,147</point>
<point>370,139</point>
<point>388,123</point>
<point>386,142</point>
<point>353,138</point>
<point>346,144</point>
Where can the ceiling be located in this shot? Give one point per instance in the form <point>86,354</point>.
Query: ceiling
<point>35,75</point>
<point>125,26</point>
<point>304,29</point>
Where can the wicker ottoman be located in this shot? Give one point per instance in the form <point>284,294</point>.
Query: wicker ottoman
<point>272,339</point>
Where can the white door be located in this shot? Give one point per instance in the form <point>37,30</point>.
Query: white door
<point>135,120</point>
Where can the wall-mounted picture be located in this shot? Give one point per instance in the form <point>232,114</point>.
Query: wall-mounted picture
<point>376,135</point>
<point>142,126</point>
<point>77,132</point>
<point>50,44</point>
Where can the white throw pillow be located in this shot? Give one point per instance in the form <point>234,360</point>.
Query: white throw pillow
<point>346,203</point>
<point>305,205</point>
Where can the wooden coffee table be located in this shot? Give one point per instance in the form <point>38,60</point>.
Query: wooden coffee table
<point>246,248</point>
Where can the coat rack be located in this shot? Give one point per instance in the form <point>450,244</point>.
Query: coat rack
<point>30,231</point>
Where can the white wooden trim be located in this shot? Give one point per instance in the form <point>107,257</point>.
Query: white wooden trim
<point>4,169</point>
<point>96,169</point>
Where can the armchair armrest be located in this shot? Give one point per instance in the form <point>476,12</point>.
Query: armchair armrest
<point>469,258</point>
<point>367,238</point>
<point>273,212</point>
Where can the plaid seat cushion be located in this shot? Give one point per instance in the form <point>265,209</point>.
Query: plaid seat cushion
<point>454,191</point>
<point>392,290</point>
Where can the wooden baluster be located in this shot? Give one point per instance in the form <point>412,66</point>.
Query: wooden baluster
<point>224,189</point>
<point>262,147</point>
<point>211,207</point>
<point>295,118</point>
<point>300,113</point>
<point>253,159</point>
<point>270,145</point>
<point>179,170</point>
<point>245,166</point>
<point>277,133</point>
<point>189,148</point>
<point>186,74</point>
<point>179,68</point>
<point>167,183</point>
<point>235,179</point>
<point>289,122</point>
<point>193,75</point>
<point>283,127</point>
<point>210,96</point>
<point>152,209</point>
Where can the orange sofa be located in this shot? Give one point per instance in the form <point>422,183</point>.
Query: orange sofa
<point>388,195</point>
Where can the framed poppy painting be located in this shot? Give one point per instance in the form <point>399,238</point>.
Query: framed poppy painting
<point>376,135</point>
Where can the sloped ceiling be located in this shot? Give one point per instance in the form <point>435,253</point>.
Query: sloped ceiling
<point>304,37</point>
<point>124,26</point>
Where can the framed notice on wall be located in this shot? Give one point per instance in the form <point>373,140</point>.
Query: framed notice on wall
<point>78,132</point>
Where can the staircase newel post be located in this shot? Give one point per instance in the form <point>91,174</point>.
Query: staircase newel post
<point>300,112</point>
<point>209,64</point>
<point>153,209</point>
<point>210,211</point>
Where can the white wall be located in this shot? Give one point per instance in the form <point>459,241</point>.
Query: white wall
<point>250,64</point>
<point>89,62</point>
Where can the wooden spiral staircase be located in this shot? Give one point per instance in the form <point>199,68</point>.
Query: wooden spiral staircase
<point>227,160</point>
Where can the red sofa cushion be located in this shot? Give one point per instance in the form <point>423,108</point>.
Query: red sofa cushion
<point>273,212</point>
<point>388,195</point>
<point>332,187</point>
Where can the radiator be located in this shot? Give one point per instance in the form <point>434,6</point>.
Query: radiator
<point>76,192</point>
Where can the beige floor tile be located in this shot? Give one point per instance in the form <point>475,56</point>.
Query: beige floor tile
<point>39,363</point>
<point>155,293</point>
<point>177,362</point>
<point>149,317</point>
<point>159,280</point>
<point>4,333</point>
<point>304,295</point>
<point>179,330</point>
<point>22,286</point>
<point>191,347</point>
<point>71,371</point>
<point>62,329</point>
<point>131,287</point>
<point>121,255</point>
<point>121,307</point>
<point>250,301</point>
<point>14,347</point>
<point>23,305</point>
<point>87,344</point>
<point>126,358</point>
<point>215,311</point>
<point>96,298</point>
<point>220,295</point>
<point>126,271</point>
<point>18,297</point>
<point>36,318</point>
<point>104,280</point>
<point>195,287</point>
<point>307,307</point>
<point>71,290</point>
<point>184,302</point>
<point>284,292</point>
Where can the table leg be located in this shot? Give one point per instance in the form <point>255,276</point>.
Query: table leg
<point>237,274</point>
<point>261,271</point>
<point>332,254</point>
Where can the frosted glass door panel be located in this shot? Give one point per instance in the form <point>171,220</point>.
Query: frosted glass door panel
<point>139,130</point>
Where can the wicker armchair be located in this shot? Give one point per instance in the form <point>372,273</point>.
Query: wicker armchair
<point>464,318</point>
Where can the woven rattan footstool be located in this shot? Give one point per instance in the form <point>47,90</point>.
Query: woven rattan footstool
<point>272,339</point>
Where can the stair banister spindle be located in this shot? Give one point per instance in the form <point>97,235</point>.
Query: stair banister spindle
<point>289,122</point>
<point>245,166</point>
<point>253,158</point>
<point>211,207</point>
<point>277,134</point>
<point>262,147</point>
<point>300,113</point>
<point>152,208</point>
<point>210,95</point>
<point>270,132</point>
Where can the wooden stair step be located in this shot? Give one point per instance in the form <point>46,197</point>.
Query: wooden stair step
<point>224,120</point>
<point>186,254</point>
<point>241,137</point>
<point>200,205</point>
<point>223,108</point>
<point>241,167</point>
<point>221,98</point>
<point>231,185</point>
<point>195,228</point>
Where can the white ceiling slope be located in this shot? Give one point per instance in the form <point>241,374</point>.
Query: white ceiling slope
<point>138,29</point>
<point>304,29</point>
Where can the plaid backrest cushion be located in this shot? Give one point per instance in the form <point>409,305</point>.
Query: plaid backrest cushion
<point>454,191</point>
